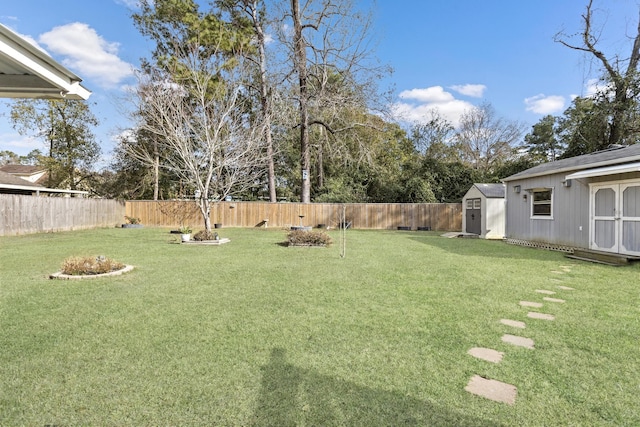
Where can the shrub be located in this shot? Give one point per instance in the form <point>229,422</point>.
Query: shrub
<point>204,235</point>
<point>80,266</point>
<point>132,219</point>
<point>308,238</point>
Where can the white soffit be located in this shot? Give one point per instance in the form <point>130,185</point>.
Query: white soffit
<point>27,72</point>
<point>609,170</point>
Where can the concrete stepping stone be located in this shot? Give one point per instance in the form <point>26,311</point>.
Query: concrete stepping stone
<point>566,288</point>
<point>561,301</point>
<point>557,272</point>
<point>544,291</point>
<point>531,304</point>
<point>487,354</point>
<point>514,323</point>
<point>492,390</point>
<point>541,316</point>
<point>519,341</point>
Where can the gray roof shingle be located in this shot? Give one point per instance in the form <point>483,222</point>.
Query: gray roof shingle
<point>609,157</point>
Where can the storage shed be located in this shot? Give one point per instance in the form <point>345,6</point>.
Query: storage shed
<point>483,211</point>
<point>586,202</point>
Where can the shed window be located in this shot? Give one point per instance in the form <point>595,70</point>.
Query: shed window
<point>542,203</point>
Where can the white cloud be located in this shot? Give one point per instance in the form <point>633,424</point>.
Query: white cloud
<point>133,4</point>
<point>426,100</point>
<point>542,104</point>
<point>430,94</point>
<point>475,91</point>
<point>19,144</point>
<point>87,53</point>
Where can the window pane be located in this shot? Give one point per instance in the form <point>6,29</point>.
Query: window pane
<point>476,204</point>
<point>469,204</point>
<point>539,196</point>
<point>542,209</point>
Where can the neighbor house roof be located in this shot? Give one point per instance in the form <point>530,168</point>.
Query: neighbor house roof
<point>13,184</point>
<point>599,159</point>
<point>36,174</point>
<point>491,191</point>
<point>28,72</point>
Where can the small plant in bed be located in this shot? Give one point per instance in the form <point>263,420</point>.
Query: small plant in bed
<point>308,238</point>
<point>203,235</point>
<point>86,266</point>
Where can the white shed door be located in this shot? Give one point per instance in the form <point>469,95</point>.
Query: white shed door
<point>615,218</point>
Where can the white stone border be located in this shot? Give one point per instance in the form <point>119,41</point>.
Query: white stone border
<point>60,275</point>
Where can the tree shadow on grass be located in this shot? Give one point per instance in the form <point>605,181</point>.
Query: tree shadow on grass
<point>292,396</point>
<point>485,248</point>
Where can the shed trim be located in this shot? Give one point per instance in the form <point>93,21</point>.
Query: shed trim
<point>609,170</point>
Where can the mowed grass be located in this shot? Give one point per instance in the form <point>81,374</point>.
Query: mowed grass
<point>253,333</point>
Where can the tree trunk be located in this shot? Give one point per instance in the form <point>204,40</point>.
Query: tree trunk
<point>300,59</point>
<point>156,170</point>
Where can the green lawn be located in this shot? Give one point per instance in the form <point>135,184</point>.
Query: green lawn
<point>253,333</point>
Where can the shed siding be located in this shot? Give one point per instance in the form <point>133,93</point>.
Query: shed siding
<point>495,219</point>
<point>570,212</point>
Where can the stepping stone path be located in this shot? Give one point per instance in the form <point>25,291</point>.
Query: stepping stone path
<point>531,304</point>
<point>497,390</point>
<point>519,341</point>
<point>541,316</point>
<point>514,323</point>
<point>487,354</point>
<point>492,389</point>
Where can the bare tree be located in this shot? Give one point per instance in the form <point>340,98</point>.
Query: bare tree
<point>623,79</point>
<point>484,139</point>
<point>198,115</point>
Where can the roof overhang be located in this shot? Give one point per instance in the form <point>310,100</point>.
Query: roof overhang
<point>609,170</point>
<point>28,72</point>
<point>40,189</point>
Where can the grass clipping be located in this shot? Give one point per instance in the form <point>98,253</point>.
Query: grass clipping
<point>308,238</point>
<point>86,266</point>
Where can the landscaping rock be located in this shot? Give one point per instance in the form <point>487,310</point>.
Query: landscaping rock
<point>541,316</point>
<point>514,323</point>
<point>519,341</point>
<point>561,301</point>
<point>544,291</point>
<point>487,354</point>
<point>492,389</point>
<point>531,304</point>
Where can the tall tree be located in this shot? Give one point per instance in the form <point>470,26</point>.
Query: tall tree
<point>66,128</point>
<point>329,46</point>
<point>485,139</point>
<point>621,75</point>
<point>542,142</point>
<point>255,12</point>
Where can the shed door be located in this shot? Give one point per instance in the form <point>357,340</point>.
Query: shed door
<point>615,218</point>
<point>473,213</point>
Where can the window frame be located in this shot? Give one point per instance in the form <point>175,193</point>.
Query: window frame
<point>543,202</point>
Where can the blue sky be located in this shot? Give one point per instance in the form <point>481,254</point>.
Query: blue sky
<point>448,55</point>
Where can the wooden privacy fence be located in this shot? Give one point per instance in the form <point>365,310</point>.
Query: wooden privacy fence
<point>31,214</point>
<point>435,216</point>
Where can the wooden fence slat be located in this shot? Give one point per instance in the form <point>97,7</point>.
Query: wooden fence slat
<point>21,214</point>
<point>438,216</point>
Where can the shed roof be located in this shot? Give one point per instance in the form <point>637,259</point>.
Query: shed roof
<point>613,156</point>
<point>28,72</point>
<point>491,191</point>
